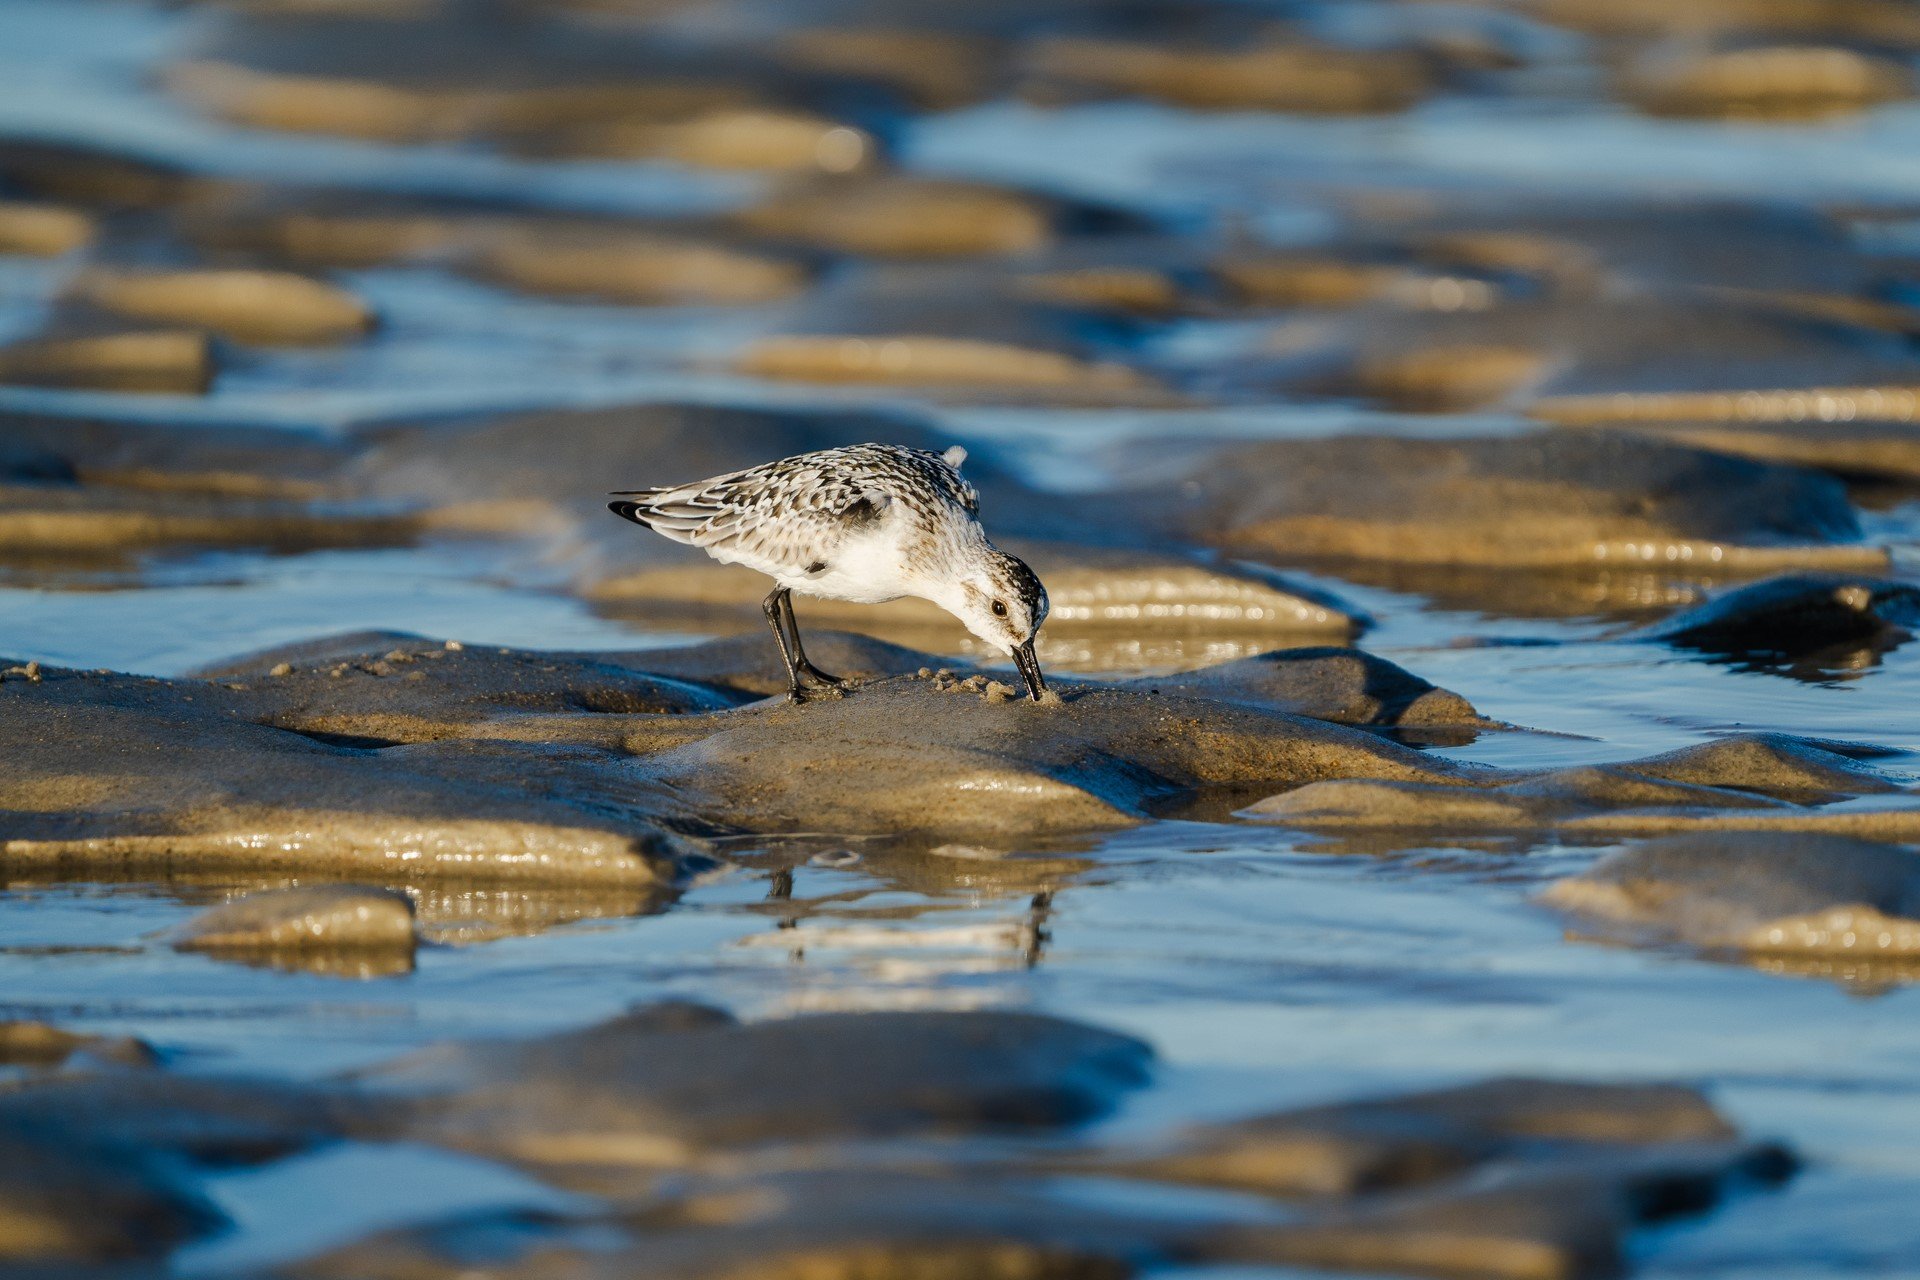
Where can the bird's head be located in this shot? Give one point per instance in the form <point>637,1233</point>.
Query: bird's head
<point>1002,602</point>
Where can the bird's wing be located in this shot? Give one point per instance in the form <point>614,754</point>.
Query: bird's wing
<point>786,514</point>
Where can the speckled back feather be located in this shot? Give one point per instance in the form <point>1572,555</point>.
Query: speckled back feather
<point>792,512</point>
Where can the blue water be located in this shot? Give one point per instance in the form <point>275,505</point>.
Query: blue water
<point>1269,970</point>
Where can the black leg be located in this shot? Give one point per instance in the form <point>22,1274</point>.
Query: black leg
<point>805,669</point>
<point>771,606</point>
<point>1034,936</point>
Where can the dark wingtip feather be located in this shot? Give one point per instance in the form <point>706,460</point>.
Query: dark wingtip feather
<point>629,511</point>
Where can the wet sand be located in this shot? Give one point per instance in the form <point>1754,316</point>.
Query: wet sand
<point>1471,452</point>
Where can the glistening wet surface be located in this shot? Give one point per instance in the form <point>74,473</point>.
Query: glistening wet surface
<point>1556,353</point>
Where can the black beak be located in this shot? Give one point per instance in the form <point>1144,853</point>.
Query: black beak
<point>1030,668</point>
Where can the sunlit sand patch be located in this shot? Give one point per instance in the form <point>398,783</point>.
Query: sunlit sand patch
<point>1785,83</point>
<point>1762,783</point>
<point>632,268</point>
<point>924,359</point>
<point>248,306</point>
<point>44,230</point>
<point>165,363</point>
<point>756,139</point>
<point>1139,290</point>
<point>1812,404</point>
<point>1891,22</point>
<point>1272,76</point>
<point>441,761</point>
<point>1813,904</point>
<point>1412,544</point>
<point>310,233</point>
<point>1854,431</point>
<point>429,111</point>
<point>104,518</point>
<point>318,104</point>
<point>1294,280</point>
<point>353,844</point>
<point>903,217</point>
<point>937,69</point>
<point>1545,500</point>
<point>1449,378</point>
<point>559,256</point>
<point>1607,591</point>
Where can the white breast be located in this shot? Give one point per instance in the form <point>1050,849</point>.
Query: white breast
<point>865,570</point>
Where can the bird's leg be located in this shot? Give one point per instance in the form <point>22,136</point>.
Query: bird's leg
<point>806,670</point>
<point>771,606</point>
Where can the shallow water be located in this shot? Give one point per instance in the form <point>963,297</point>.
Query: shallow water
<point>1266,967</point>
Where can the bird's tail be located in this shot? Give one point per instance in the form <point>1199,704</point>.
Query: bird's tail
<point>634,506</point>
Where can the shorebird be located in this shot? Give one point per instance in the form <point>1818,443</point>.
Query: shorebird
<point>867,523</point>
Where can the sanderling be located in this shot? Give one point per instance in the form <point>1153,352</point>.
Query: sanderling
<point>867,523</point>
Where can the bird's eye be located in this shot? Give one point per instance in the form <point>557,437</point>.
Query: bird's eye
<point>999,608</point>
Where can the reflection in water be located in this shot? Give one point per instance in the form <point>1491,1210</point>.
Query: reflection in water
<point>1862,976</point>
<point>456,915</point>
<point>1533,852</point>
<point>1866,978</point>
<point>447,913</point>
<point>907,923</point>
<point>1035,936</point>
<point>1000,943</point>
<point>1811,627</point>
<point>1625,595</point>
<point>352,963</point>
<point>882,874</point>
<point>1832,664</point>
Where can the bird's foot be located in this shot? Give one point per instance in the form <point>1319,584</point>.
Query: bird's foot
<point>810,674</point>
<point>813,689</point>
